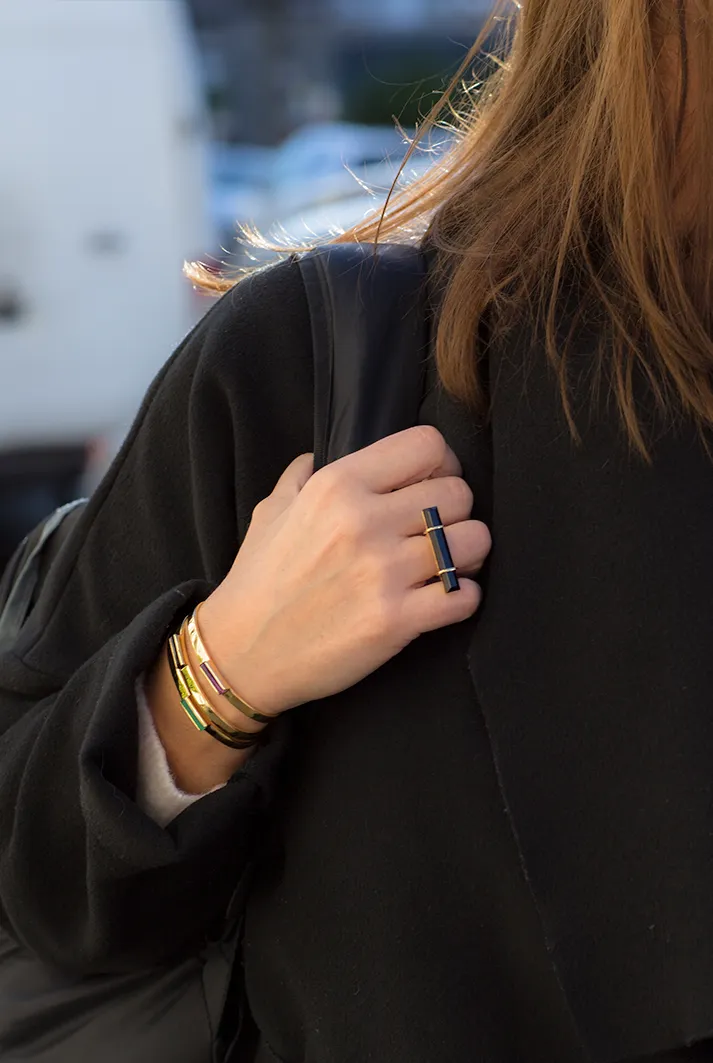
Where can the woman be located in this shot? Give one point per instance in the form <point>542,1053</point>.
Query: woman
<point>485,840</point>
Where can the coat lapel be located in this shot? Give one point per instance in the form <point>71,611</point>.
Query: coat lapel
<point>592,666</point>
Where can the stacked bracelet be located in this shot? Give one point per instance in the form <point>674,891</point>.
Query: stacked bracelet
<point>214,677</point>
<point>199,711</point>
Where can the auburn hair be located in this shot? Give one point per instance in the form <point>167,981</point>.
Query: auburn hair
<point>587,152</point>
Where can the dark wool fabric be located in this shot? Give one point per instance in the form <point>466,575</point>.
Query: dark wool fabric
<point>497,848</point>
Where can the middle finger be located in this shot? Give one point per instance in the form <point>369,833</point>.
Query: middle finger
<point>450,494</point>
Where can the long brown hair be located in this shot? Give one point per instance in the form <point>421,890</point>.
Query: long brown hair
<point>581,152</point>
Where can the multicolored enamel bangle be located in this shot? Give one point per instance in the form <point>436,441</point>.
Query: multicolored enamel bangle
<point>199,711</point>
<point>441,551</point>
<point>236,736</point>
<point>189,705</point>
<point>214,677</point>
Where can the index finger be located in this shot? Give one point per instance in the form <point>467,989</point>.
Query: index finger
<point>406,458</point>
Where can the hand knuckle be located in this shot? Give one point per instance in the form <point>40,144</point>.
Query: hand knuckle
<point>371,575</point>
<point>471,598</point>
<point>260,511</point>
<point>372,585</point>
<point>382,613</point>
<point>329,481</point>
<point>331,498</point>
<point>350,522</point>
<point>485,539</point>
<point>432,441</point>
<point>461,496</point>
<point>334,492</point>
<point>347,534</point>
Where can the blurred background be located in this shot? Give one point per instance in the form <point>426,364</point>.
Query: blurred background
<point>137,134</point>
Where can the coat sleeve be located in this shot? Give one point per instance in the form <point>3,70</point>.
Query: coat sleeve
<point>87,881</point>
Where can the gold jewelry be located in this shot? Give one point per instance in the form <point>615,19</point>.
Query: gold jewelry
<point>436,534</point>
<point>197,708</point>
<point>214,677</point>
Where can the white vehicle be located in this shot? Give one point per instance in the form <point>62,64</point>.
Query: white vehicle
<point>362,196</point>
<point>103,195</point>
<point>241,189</point>
<point>324,162</point>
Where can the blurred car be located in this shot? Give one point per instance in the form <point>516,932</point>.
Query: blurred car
<point>241,184</point>
<point>103,194</point>
<point>361,196</point>
<point>350,167</point>
<point>327,219</point>
<point>319,162</point>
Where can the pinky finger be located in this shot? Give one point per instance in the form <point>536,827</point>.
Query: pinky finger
<point>430,608</point>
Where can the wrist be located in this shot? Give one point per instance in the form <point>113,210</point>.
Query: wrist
<point>197,762</point>
<point>220,704</point>
<point>239,667</point>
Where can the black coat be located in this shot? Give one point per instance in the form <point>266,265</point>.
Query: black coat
<point>500,846</point>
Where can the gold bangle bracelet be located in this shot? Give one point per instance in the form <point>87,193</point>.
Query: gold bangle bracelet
<point>214,677</point>
<point>199,701</point>
<point>197,708</point>
<point>189,706</point>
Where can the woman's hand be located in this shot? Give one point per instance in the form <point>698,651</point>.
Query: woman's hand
<point>331,581</point>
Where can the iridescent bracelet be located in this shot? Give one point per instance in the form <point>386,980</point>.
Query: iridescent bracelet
<point>199,711</point>
<point>214,677</point>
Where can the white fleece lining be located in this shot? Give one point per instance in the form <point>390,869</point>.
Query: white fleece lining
<point>156,793</point>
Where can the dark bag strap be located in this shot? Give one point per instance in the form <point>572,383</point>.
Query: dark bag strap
<point>29,564</point>
<point>370,340</point>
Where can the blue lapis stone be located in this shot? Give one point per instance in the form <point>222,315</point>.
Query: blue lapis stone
<point>441,551</point>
